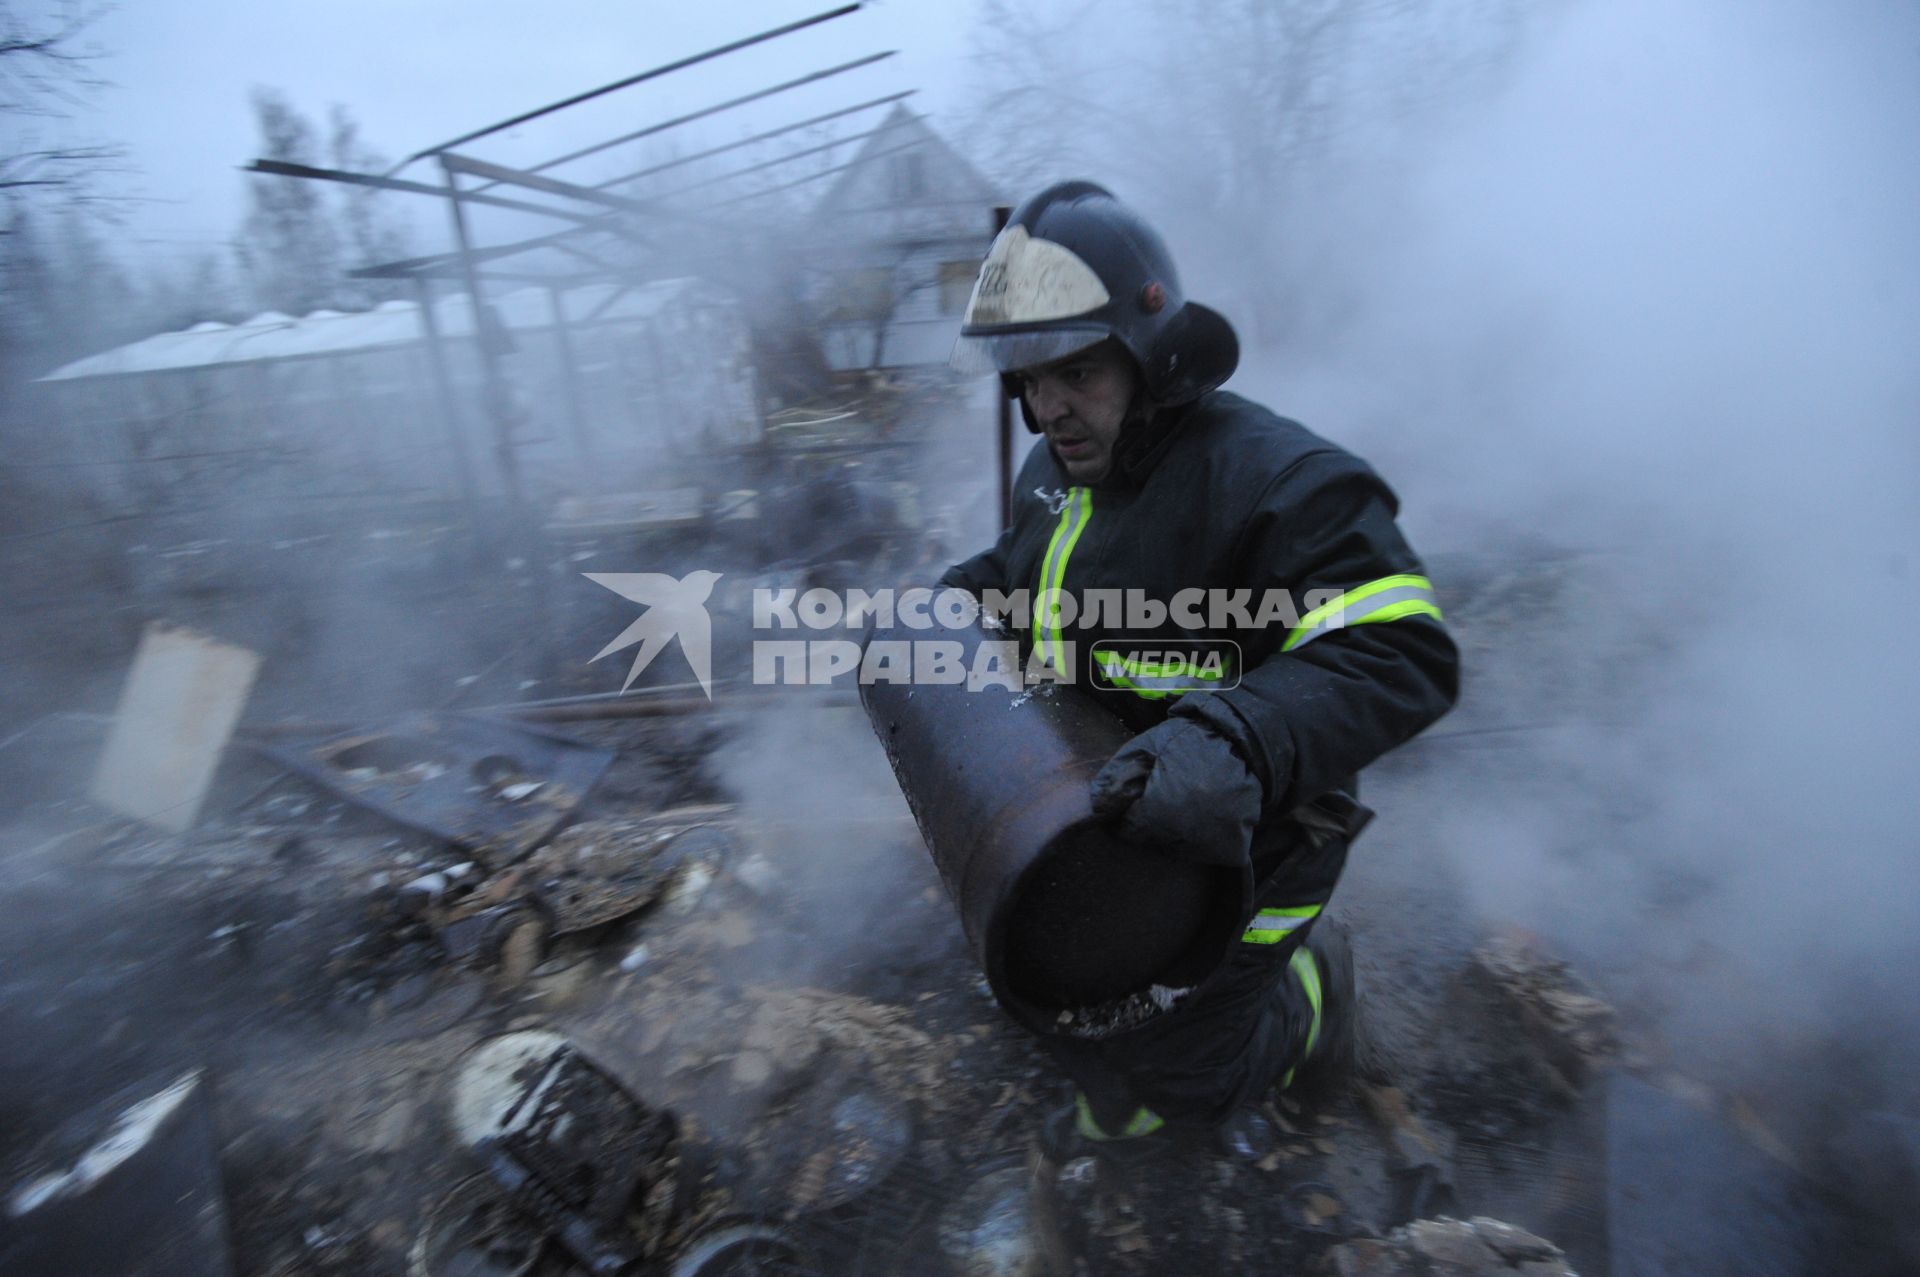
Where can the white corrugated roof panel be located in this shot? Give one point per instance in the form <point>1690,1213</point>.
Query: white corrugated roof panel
<point>272,335</point>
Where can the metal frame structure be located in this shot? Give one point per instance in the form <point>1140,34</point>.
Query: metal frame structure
<point>589,211</point>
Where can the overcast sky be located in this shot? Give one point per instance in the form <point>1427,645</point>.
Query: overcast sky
<point>419,72</point>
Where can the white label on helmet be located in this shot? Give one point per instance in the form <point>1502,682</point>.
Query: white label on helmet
<point>1025,280</point>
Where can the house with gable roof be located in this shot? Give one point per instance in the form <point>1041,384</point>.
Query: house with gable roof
<point>896,243</point>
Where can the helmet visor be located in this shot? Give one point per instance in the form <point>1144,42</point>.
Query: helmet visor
<point>1003,352</point>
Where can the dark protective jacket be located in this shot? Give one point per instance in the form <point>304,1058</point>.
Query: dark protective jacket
<point>1224,495</point>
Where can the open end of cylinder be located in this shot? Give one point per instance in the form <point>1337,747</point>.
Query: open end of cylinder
<point>1097,920</point>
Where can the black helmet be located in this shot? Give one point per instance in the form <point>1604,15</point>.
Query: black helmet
<point>1075,267</point>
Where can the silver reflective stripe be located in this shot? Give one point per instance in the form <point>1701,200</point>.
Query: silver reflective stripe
<point>1270,926</point>
<point>1361,612</point>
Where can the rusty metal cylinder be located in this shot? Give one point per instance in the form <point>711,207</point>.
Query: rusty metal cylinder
<point>1065,917</point>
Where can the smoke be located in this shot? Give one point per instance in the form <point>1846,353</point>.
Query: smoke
<point>817,795</point>
<point>1653,302</point>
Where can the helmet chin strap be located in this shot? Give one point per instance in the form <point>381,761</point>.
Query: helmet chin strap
<point>1141,410</point>
<point>1140,413</point>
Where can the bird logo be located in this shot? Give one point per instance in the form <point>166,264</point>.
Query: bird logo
<point>674,607</point>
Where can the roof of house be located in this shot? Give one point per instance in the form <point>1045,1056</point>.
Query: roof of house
<point>950,191</point>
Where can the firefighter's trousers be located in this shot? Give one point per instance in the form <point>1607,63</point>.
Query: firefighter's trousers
<point>1246,1026</point>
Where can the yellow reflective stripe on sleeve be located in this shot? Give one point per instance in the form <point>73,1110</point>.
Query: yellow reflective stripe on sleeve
<point>1388,599</point>
<point>1074,517</point>
<point>1271,926</point>
<point>1144,1122</point>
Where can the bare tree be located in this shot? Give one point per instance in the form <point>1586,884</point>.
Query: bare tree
<point>300,237</point>
<point>369,233</point>
<point>289,246</point>
<point>46,77</point>
<point>61,294</point>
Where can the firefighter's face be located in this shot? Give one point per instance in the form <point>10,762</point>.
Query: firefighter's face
<point>1081,402</point>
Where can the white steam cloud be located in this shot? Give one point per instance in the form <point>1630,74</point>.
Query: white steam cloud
<point>1657,298</point>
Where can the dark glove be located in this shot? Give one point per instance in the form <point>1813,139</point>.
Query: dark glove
<point>1183,788</point>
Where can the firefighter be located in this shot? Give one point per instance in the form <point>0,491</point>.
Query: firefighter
<point>1150,480</point>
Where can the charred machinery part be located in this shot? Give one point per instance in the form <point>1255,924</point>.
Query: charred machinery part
<point>492,1077</point>
<point>495,787</point>
<point>1062,913</point>
<point>474,1232</point>
<point>745,1248</point>
<point>570,1146</point>
<point>588,876</point>
<point>593,1247</point>
<point>599,871</point>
